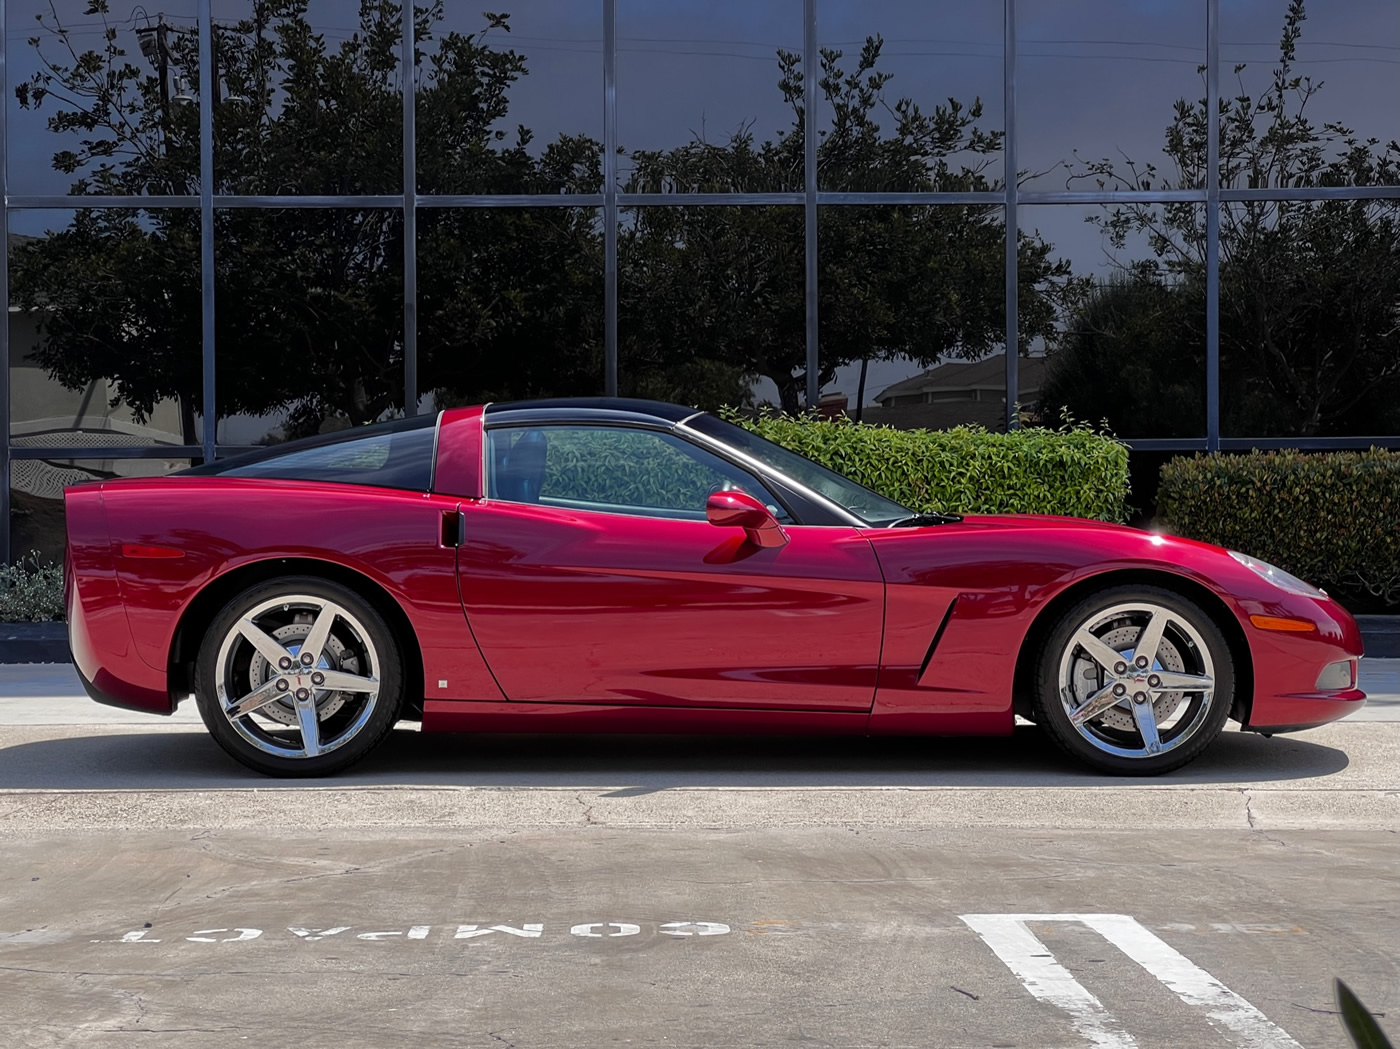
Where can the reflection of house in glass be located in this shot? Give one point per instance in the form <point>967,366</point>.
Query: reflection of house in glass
<point>957,394</point>
<point>44,413</point>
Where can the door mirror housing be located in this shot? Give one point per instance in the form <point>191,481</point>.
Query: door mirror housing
<point>735,509</point>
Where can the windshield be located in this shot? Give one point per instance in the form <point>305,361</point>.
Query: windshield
<point>869,506</point>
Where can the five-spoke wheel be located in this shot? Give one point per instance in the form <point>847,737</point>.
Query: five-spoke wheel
<point>299,677</point>
<point>1135,680</point>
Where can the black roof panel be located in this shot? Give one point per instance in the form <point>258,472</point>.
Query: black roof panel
<point>660,411</point>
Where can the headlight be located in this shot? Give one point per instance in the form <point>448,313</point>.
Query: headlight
<point>1281,579</point>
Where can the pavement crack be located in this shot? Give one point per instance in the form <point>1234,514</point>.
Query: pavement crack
<point>501,1038</point>
<point>587,807</point>
<point>1254,824</point>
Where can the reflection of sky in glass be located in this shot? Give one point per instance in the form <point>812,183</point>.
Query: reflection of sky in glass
<point>31,144</point>
<point>1096,76</point>
<point>562,44</point>
<point>934,51</point>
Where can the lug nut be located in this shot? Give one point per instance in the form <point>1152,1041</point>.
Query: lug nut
<point>306,660</point>
<point>1120,668</point>
<point>1118,690</point>
<point>318,678</point>
<point>1141,661</point>
<point>1154,680</point>
<point>282,685</point>
<point>303,694</point>
<point>285,662</point>
<point>1139,697</point>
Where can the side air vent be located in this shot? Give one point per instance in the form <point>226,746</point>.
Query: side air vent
<point>937,636</point>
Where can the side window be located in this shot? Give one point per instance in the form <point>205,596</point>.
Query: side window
<point>392,455</point>
<point>613,470</point>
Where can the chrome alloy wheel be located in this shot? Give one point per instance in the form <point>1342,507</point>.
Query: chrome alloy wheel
<point>1136,680</point>
<point>302,662</point>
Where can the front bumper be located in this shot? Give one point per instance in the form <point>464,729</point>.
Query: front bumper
<point>1286,667</point>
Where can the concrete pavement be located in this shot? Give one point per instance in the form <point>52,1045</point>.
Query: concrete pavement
<point>556,891</point>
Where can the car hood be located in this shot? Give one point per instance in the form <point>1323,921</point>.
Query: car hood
<point>1043,521</point>
<point>1043,548</point>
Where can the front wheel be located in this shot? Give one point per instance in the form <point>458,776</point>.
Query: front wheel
<point>1135,680</point>
<point>299,677</point>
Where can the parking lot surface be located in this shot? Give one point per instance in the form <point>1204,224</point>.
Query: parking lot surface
<point>547,891</point>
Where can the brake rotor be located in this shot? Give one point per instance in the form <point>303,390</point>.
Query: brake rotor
<point>334,656</point>
<point>1088,678</point>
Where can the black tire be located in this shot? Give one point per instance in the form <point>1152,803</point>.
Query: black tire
<point>360,649</point>
<point>1065,681</point>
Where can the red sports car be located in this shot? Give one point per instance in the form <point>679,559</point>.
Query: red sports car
<point>617,566</point>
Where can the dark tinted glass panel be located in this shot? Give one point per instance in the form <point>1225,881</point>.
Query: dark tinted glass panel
<point>307,98</point>
<point>389,455</point>
<point>308,320</point>
<point>36,497</point>
<point>1097,86</point>
<point>913,313</point>
<point>1128,346</point>
<point>122,88</point>
<point>914,101</point>
<point>855,498</point>
<point>701,97</point>
<point>640,472</point>
<point>510,303</point>
<point>1308,339</point>
<point>710,303</point>
<point>1346,59</point>
<point>512,102</point>
<point>105,343</point>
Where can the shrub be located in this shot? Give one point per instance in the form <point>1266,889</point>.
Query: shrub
<point>1328,518</point>
<point>31,590</point>
<point>624,467</point>
<point>1072,471</point>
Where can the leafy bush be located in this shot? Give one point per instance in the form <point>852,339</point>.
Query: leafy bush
<point>31,590</point>
<point>624,467</point>
<point>1072,471</point>
<point>1361,1026</point>
<point>1328,518</point>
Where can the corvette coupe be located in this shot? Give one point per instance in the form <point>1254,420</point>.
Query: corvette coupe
<point>608,565</point>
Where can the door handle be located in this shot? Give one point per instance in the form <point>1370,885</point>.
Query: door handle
<point>454,528</point>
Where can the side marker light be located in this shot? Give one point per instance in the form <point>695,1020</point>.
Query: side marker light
<point>1284,623</point>
<point>137,550</point>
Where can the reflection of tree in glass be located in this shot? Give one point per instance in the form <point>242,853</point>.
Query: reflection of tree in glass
<point>309,307</point>
<point>1309,339</point>
<point>309,313</point>
<point>727,283</point>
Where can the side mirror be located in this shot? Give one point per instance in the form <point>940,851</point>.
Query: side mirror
<point>735,509</point>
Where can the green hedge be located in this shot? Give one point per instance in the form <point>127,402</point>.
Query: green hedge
<point>1071,471</point>
<point>1329,518</point>
<point>31,590</point>
<point>624,467</point>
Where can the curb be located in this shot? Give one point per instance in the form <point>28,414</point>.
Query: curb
<point>48,642</point>
<point>1381,634</point>
<point>34,643</point>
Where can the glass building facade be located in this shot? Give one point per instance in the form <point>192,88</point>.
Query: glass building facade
<point>233,221</point>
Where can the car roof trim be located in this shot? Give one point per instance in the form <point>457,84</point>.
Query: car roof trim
<point>659,410</point>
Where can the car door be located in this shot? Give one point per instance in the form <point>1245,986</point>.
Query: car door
<point>590,574</point>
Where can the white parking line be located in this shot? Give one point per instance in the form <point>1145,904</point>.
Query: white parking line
<point>1047,979</point>
<point>1026,956</point>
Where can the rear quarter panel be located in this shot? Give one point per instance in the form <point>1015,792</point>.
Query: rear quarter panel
<point>221,524</point>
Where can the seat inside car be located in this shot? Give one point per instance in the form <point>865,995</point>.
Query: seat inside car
<point>521,474</point>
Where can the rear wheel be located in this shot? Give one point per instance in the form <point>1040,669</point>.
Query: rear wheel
<point>299,677</point>
<point>1135,680</point>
